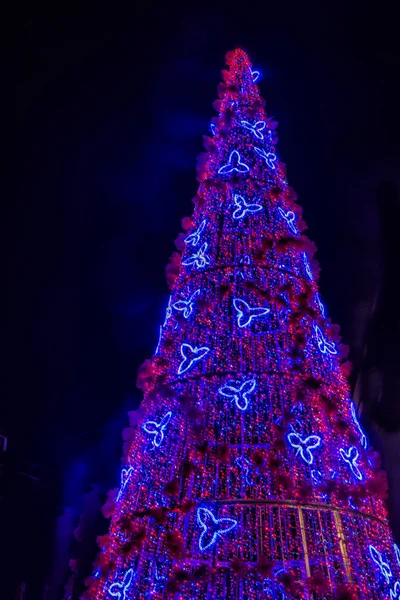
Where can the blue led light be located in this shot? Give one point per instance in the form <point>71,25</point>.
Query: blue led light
<point>190,356</point>
<point>307,266</point>
<point>321,306</point>
<point>233,164</point>
<point>125,474</point>
<point>397,553</point>
<point>168,311</point>
<point>194,237</point>
<point>255,75</point>
<point>269,157</point>
<point>186,306</point>
<point>245,466</point>
<point>199,258</point>
<point>363,440</point>
<point>159,340</point>
<point>378,560</point>
<point>243,207</point>
<point>395,592</point>
<point>304,445</point>
<point>157,429</point>
<point>255,129</point>
<point>213,128</point>
<point>245,313</point>
<point>290,218</point>
<point>119,590</point>
<point>350,457</point>
<point>323,344</point>
<point>239,393</point>
<point>212,528</point>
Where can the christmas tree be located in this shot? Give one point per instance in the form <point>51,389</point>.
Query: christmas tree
<point>246,473</point>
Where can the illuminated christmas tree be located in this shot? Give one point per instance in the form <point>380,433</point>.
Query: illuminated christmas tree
<point>246,472</point>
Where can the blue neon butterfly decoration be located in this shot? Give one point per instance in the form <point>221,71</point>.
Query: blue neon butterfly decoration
<point>395,592</point>
<point>234,164</point>
<point>290,218</point>
<point>239,393</point>
<point>191,355</point>
<point>212,528</point>
<point>245,313</point>
<point>255,129</point>
<point>323,344</point>
<point>269,157</point>
<point>157,430</point>
<point>304,445</point>
<point>307,266</point>
<point>378,560</point>
<point>194,237</point>
<point>243,207</point>
<point>255,75</point>
<point>199,258</point>
<point>321,306</point>
<point>363,440</point>
<point>119,590</point>
<point>125,474</point>
<point>350,456</point>
<point>186,306</point>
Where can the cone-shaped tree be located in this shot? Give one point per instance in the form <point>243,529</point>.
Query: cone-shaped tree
<point>246,473</point>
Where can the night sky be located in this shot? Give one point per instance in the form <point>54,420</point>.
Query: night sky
<point>111,107</point>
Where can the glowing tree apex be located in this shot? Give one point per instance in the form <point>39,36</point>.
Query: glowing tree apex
<point>246,473</point>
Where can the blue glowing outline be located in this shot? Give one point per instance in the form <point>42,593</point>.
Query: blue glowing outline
<point>194,238</point>
<point>363,441</point>
<point>120,594</point>
<point>323,344</point>
<point>237,393</point>
<point>125,474</point>
<point>200,520</point>
<point>244,207</point>
<point>310,442</point>
<point>269,157</point>
<point>397,553</point>
<point>395,593</point>
<point>158,429</point>
<point>213,128</point>
<point>316,475</point>
<point>307,266</point>
<point>234,158</point>
<point>246,313</point>
<point>289,217</point>
<point>245,465</point>
<point>350,457</point>
<point>186,306</point>
<point>321,306</point>
<point>255,75</point>
<point>188,362</point>
<point>255,129</point>
<point>198,258</point>
<point>378,560</point>
<point>168,311</point>
<point>159,340</point>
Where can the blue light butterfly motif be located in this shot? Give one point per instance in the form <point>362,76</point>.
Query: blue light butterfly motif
<point>304,445</point>
<point>212,528</point>
<point>239,393</point>
<point>363,440</point>
<point>323,344</point>
<point>190,356</point>
<point>397,553</point>
<point>255,129</point>
<point>245,467</point>
<point>213,128</point>
<point>233,164</point>
<point>269,157</point>
<point>378,560</point>
<point>243,207</point>
<point>119,590</point>
<point>199,258</point>
<point>186,306</point>
<point>307,266</point>
<point>255,75</point>
<point>321,306</point>
<point>246,313</point>
<point>243,261</point>
<point>125,474</point>
<point>350,457</point>
<point>194,237</point>
<point>157,430</point>
<point>395,592</point>
<point>290,218</point>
